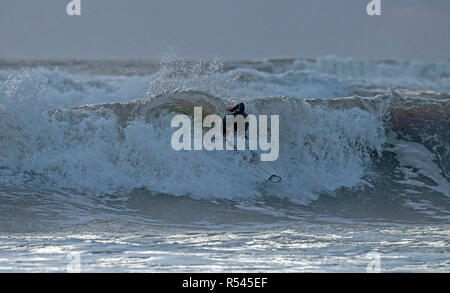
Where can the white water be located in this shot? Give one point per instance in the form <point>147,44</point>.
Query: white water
<point>103,181</point>
<point>79,150</point>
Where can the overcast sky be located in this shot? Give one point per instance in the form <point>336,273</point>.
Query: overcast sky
<point>229,29</point>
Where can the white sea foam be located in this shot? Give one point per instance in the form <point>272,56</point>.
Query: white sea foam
<point>82,150</point>
<point>323,146</point>
<point>409,74</point>
<point>412,74</point>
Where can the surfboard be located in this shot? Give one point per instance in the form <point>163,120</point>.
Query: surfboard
<point>264,169</point>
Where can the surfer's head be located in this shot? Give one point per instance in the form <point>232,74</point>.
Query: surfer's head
<point>239,108</point>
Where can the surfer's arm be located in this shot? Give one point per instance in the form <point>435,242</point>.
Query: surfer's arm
<point>238,106</point>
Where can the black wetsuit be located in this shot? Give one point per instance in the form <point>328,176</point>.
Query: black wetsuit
<point>236,110</point>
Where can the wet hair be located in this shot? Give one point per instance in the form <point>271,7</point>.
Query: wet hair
<point>239,108</point>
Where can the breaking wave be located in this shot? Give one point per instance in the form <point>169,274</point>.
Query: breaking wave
<point>111,134</point>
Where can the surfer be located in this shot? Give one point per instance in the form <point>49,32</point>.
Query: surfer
<point>268,170</point>
<point>239,109</point>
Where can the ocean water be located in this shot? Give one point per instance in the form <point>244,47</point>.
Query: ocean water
<point>89,181</point>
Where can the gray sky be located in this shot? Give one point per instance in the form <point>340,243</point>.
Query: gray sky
<point>229,29</point>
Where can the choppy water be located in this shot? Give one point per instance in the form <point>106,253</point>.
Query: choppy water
<point>87,170</point>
